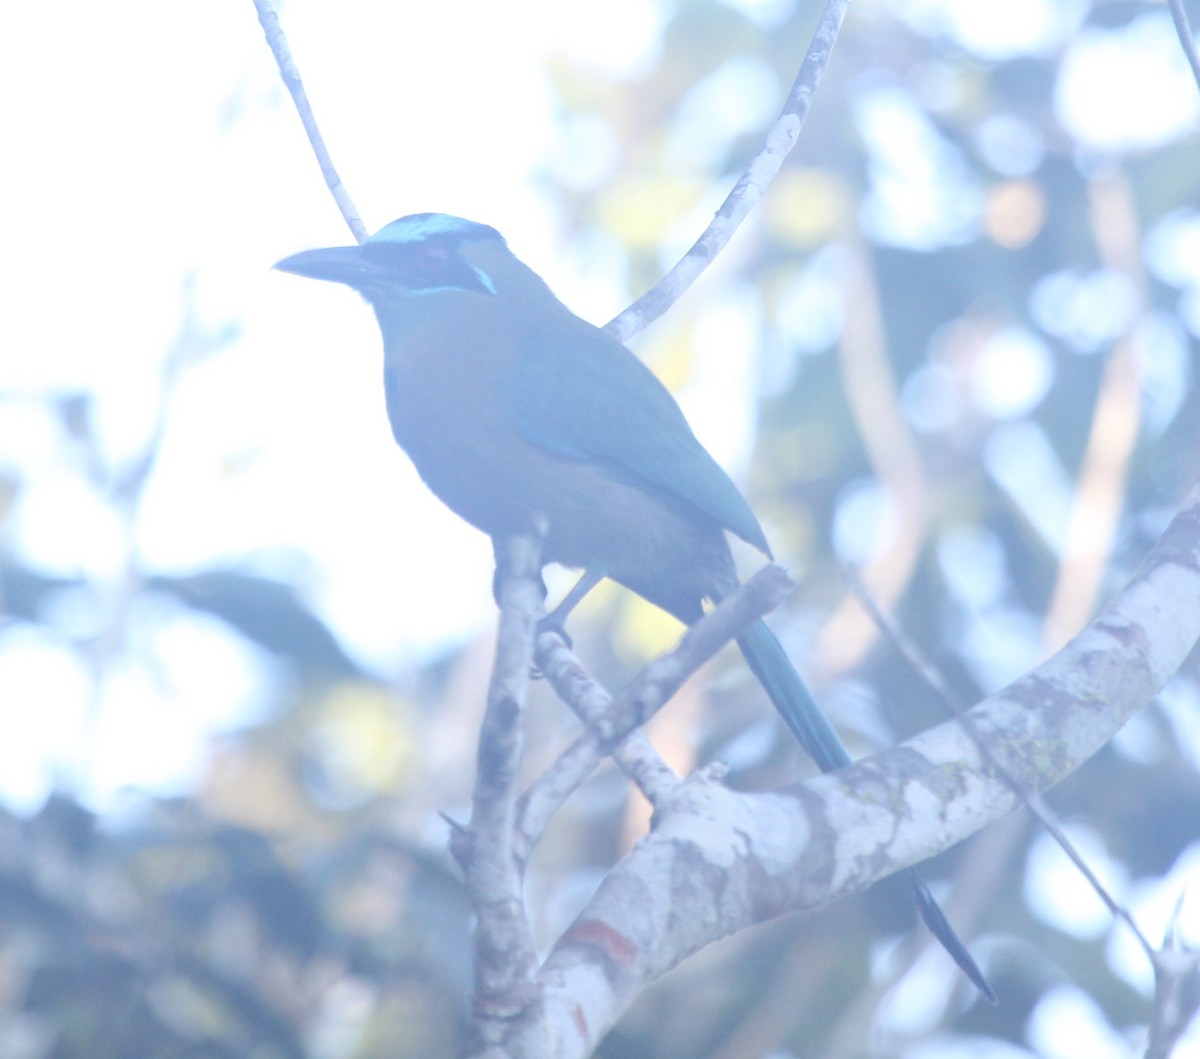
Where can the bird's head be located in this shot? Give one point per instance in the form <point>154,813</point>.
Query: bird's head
<point>421,255</point>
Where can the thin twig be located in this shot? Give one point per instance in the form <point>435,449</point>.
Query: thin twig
<point>290,73</point>
<point>613,723</point>
<point>755,179</point>
<point>1184,32</point>
<point>590,701</point>
<point>1176,990</point>
<point>1037,805</point>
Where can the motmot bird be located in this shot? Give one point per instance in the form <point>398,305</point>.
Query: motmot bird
<point>516,412</point>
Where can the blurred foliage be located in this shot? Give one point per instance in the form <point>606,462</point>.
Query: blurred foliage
<point>977,333</point>
<point>183,935</point>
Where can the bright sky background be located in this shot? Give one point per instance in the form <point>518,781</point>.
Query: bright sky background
<point>147,165</point>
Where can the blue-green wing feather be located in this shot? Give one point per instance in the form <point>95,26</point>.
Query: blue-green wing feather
<point>581,394</point>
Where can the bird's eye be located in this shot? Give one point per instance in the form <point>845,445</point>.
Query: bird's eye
<point>435,256</point>
<point>431,265</point>
<point>435,262</point>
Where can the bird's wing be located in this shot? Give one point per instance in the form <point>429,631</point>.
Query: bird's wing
<point>581,394</point>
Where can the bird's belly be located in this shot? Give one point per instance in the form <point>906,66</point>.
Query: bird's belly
<point>489,475</point>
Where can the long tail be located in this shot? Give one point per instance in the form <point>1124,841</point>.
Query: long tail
<point>799,710</point>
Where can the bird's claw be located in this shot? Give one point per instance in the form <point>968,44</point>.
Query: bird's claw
<point>552,623</point>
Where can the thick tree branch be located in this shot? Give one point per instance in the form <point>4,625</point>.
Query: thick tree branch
<point>1033,801</point>
<point>718,861</point>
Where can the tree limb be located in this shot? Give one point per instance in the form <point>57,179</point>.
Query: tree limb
<point>751,185</point>
<point>613,724</point>
<point>506,993</point>
<point>718,861</point>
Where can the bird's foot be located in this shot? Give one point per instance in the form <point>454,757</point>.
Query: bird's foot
<point>553,622</point>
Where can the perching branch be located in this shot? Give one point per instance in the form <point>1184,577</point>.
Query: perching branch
<point>590,701</point>
<point>613,724</point>
<point>750,187</point>
<point>493,848</point>
<point>718,861</point>
<point>504,956</point>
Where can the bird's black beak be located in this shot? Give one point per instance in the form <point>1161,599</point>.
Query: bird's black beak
<point>339,264</point>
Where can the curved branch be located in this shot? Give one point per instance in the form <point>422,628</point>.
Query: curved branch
<point>718,861</point>
<point>751,185</point>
